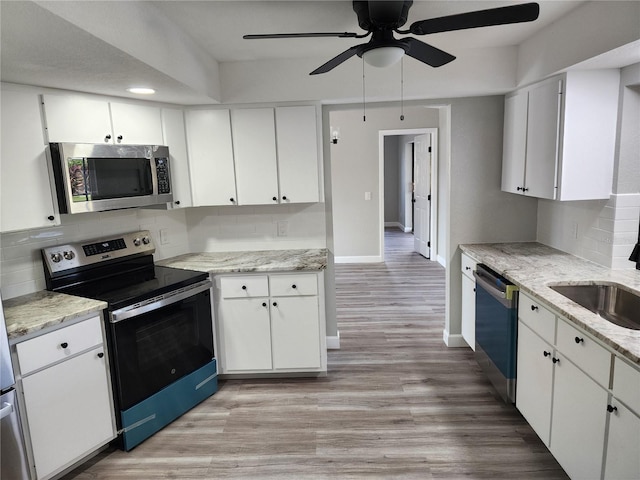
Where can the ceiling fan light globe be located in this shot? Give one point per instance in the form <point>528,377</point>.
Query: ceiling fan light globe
<point>383,56</point>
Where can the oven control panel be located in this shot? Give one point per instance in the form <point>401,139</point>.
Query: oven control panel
<point>61,258</point>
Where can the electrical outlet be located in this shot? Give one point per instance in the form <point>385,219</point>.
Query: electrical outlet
<point>164,236</point>
<point>367,195</point>
<point>283,229</point>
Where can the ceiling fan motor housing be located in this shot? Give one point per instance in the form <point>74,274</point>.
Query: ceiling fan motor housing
<point>381,15</point>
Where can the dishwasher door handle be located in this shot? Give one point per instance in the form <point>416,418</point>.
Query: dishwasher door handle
<point>506,298</point>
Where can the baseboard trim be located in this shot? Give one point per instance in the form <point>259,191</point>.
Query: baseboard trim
<point>333,343</point>
<point>441,260</point>
<point>453,341</point>
<point>371,259</point>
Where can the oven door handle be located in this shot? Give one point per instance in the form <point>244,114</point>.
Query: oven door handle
<point>158,302</point>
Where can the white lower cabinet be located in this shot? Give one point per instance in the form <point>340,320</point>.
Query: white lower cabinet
<point>270,323</point>
<point>468,306</point>
<point>564,393</point>
<point>578,422</point>
<point>68,403</point>
<point>535,379</point>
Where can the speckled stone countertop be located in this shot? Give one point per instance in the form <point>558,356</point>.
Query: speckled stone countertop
<point>31,313</point>
<point>247,261</point>
<point>533,267</point>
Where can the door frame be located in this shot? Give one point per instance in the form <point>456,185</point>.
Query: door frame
<point>433,237</point>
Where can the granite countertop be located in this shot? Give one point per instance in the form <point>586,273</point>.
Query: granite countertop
<point>250,261</point>
<point>31,313</point>
<point>533,267</point>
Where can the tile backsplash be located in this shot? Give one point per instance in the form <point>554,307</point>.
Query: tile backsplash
<point>175,232</point>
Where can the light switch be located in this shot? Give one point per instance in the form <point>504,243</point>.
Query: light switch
<point>367,195</point>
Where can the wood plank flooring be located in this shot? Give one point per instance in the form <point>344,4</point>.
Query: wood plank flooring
<point>396,402</point>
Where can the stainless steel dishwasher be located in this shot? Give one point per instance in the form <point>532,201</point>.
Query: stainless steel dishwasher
<point>497,330</point>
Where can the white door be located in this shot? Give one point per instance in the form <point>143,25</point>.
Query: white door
<point>422,197</point>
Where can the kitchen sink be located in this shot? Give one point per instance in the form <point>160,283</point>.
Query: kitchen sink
<point>612,302</point>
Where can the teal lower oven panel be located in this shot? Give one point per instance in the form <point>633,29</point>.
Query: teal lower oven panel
<point>152,414</point>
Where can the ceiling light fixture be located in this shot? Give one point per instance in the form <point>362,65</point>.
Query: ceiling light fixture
<point>383,56</point>
<point>141,90</point>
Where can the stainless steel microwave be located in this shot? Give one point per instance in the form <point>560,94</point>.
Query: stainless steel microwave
<point>92,177</point>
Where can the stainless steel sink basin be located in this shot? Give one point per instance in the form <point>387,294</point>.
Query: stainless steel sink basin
<point>611,302</point>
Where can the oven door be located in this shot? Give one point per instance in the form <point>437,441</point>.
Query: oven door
<point>155,344</point>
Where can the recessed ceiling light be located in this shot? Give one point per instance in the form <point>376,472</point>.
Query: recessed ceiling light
<point>141,90</point>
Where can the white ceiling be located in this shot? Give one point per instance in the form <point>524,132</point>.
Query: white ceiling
<point>42,48</point>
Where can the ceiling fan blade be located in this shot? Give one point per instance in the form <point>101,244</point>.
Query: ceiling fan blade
<point>526,12</point>
<point>426,53</point>
<point>302,35</point>
<point>337,60</point>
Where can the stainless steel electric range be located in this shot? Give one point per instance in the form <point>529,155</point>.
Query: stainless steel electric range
<point>158,326</point>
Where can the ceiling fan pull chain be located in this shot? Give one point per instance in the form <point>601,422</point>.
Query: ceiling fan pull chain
<point>364,103</point>
<point>402,89</point>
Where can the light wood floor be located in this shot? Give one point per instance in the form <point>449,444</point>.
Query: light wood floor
<point>396,402</point>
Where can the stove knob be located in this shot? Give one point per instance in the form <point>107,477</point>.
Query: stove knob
<point>69,255</point>
<point>56,257</point>
<point>146,240</point>
<point>136,242</point>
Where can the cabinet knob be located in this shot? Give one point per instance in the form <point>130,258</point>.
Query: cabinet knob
<point>275,304</point>
<point>579,340</point>
<point>534,308</point>
<point>119,138</point>
<point>546,354</point>
<point>107,138</point>
<point>231,200</point>
<point>275,199</point>
<point>467,268</point>
<point>64,344</point>
<point>100,355</point>
<point>51,218</point>
<point>518,188</point>
<point>555,360</point>
<point>284,197</point>
<point>611,409</point>
<point>294,286</point>
<point>177,202</point>
<point>264,304</point>
<point>244,287</point>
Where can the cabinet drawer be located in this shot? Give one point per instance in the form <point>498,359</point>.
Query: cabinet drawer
<point>244,286</point>
<point>468,266</point>
<point>293,285</point>
<point>58,345</point>
<point>537,317</point>
<point>594,359</point>
<point>626,384</point>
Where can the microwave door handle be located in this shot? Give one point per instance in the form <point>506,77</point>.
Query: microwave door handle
<point>167,299</point>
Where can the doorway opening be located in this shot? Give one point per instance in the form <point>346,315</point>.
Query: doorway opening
<point>408,179</point>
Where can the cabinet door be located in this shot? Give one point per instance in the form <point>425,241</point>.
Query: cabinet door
<point>27,201</point>
<point>246,334</point>
<point>211,167</point>
<point>578,423</point>
<point>297,145</point>
<point>535,379</point>
<point>173,131</point>
<point>623,447</point>
<point>254,147</point>
<point>514,144</point>
<point>77,119</point>
<point>68,410</point>
<point>295,332</point>
<point>542,139</point>
<point>136,124</point>
<point>469,311</point>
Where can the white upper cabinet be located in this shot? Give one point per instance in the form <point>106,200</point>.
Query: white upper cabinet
<point>136,124</point>
<point>297,148</point>
<point>24,181</point>
<point>254,147</point>
<point>559,136</point>
<point>173,131</point>
<point>76,119</point>
<point>211,164</point>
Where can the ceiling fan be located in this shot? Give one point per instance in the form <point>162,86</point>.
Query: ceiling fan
<point>381,19</point>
